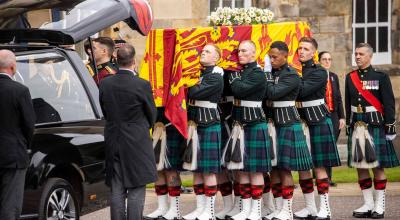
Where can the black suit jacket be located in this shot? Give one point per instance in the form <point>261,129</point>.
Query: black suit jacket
<point>337,95</point>
<point>17,119</point>
<point>129,109</point>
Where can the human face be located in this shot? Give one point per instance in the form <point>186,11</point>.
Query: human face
<point>278,58</point>
<point>209,56</point>
<point>99,52</point>
<point>305,51</point>
<point>363,57</point>
<point>326,60</point>
<point>246,53</point>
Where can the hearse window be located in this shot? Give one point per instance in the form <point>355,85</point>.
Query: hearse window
<point>57,93</point>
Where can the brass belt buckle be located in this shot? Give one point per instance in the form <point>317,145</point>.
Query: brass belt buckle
<point>192,102</point>
<point>298,105</point>
<point>359,109</point>
<point>236,102</point>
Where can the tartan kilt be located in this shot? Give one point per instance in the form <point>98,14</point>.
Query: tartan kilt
<point>292,149</point>
<point>257,145</point>
<point>209,156</point>
<point>174,151</point>
<point>324,151</point>
<point>384,149</point>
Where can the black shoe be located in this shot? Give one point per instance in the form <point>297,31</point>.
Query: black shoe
<point>333,184</point>
<point>309,217</point>
<point>185,190</point>
<point>327,218</point>
<point>376,215</point>
<point>362,214</point>
<point>148,218</point>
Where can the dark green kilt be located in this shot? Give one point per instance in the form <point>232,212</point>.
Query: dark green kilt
<point>257,156</point>
<point>384,149</point>
<point>174,144</point>
<point>209,157</point>
<point>323,145</point>
<point>293,153</point>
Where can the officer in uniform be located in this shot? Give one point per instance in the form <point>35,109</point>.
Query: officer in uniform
<point>314,112</point>
<point>203,153</point>
<point>292,151</point>
<point>370,119</point>
<point>103,49</point>
<point>248,149</point>
<point>167,142</point>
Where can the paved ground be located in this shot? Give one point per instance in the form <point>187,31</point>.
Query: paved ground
<point>344,199</point>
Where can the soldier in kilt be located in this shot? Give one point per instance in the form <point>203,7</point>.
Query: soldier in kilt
<point>370,119</point>
<point>248,147</point>
<point>292,151</point>
<point>167,150</point>
<point>226,179</point>
<point>313,111</point>
<point>205,139</point>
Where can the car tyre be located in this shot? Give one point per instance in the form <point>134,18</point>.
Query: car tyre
<point>58,201</point>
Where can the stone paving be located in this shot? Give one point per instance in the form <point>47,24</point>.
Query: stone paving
<point>344,198</point>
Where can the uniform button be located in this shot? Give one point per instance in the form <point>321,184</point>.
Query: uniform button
<point>359,99</point>
<point>362,75</point>
<point>359,93</point>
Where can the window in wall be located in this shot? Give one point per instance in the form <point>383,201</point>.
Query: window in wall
<point>371,24</point>
<point>214,4</point>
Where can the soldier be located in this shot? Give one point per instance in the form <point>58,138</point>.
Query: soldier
<point>103,49</point>
<point>167,143</point>
<point>313,111</point>
<point>370,119</point>
<point>248,147</point>
<point>227,182</point>
<point>292,151</point>
<point>202,156</point>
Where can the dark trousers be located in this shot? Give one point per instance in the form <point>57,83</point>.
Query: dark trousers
<point>134,197</point>
<point>11,193</point>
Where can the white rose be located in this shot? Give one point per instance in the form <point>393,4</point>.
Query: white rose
<point>247,20</point>
<point>264,19</point>
<point>252,14</point>
<point>258,19</point>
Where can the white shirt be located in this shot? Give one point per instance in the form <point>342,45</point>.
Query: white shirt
<point>5,74</point>
<point>132,71</point>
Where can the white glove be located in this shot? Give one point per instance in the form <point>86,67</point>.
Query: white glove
<point>233,76</point>
<point>267,64</point>
<point>218,70</point>
<point>390,137</point>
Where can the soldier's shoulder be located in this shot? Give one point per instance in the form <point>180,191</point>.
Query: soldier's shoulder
<point>380,72</point>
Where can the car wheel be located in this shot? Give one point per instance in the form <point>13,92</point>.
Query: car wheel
<point>58,201</point>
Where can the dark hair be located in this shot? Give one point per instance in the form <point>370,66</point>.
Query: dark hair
<point>309,40</point>
<point>126,55</point>
<point>321,54</point>
<point>108,42</point>
<point>366,45</point>
<point>280,45</point>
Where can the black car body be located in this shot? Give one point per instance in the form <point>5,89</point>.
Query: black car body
<point>67,167</point>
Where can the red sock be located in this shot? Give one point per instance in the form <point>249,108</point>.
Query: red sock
<point>365,183</point>
<point>236,188</point>
<point>277,190</point>
<point>210,190</point>
<point>323,186</point>
<point>256,191</point>
<point>287,192</point>
<point>174,191</point>
<point>225,188</point>
<point>307,186</point>
<point>267,184</point>
<point>380,184</point>
<point>198,189</point>
<point>161,190</point>
<point>245,191</point>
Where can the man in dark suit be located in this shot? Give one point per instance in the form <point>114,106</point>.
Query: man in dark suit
<point>17,120</point>
<point>333,101</point>
<point>129,109</point>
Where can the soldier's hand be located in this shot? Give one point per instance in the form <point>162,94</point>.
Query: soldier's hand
<point>347,130</point>
<point>269,77</point>
<point>233,76</point>
<point>218,70</point>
